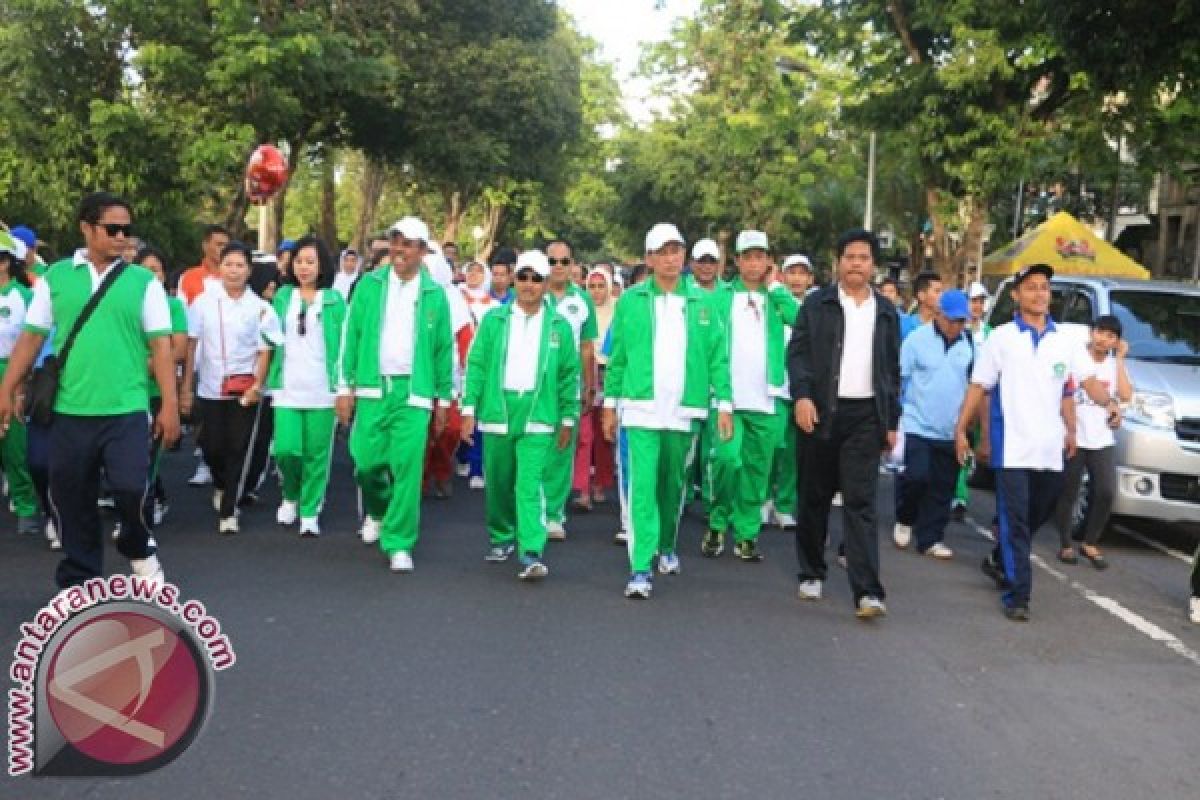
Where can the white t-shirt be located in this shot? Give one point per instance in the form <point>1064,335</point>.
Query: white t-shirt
<point>12,317</point>
<point>524,350</point>
<point>245,324</point>
<point>399,325</point>
<point>858,347</point>
<point>1091,421</point>
<point>305,381</point>
<point>749,347</point>
<point>664,411</point>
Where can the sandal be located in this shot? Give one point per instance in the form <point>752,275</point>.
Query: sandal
<point>1098,561</point>
<point>1067,556</point>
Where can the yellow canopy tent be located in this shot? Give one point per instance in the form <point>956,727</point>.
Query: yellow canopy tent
<point>1069,246</point>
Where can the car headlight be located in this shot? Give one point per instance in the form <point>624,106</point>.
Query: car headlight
<point>1154,409</point>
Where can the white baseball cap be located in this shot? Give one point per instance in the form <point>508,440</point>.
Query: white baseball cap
<point>750,240</point>
<point>977,290</point>
<point>661,234</point>
<point>797,260</point>
<point>534,260</point>
<point>706,247</point>
<point>410,228</point>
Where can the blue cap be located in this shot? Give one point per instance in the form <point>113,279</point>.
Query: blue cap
<point>286,246</point>
<point>25,234</point>
<point>954,304</point>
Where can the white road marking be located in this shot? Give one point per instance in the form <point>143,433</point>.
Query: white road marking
<point>1130,618</point>
<point>1160,547</point>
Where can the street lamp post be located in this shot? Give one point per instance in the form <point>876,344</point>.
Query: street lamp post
<point>869,215</point>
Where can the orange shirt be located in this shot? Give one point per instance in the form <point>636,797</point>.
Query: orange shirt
<point>191,283</point>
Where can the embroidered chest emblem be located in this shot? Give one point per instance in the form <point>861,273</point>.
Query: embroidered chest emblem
<point>5,312</point>
<point>1060,370</point>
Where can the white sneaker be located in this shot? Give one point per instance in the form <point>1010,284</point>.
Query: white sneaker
<point>870,607</point>
<point>463,470</point>
<point>116,534</point>
<point>52,536</point>
<point>837,499</point>
<point>309,527</point>
<point>160,512</point>
<point>286,515</point>
<point>401,562</point>
<point>369,532</point>
<point>809,590</point>
<point>902,535</point>
<point>668,564</point>
<point>148,567</point>
<point>228,525</point>
<point>1194,610</point>
<point>555,532</point>
<point>768,508</point>
<point>202,476</point>
<point>476,482</point>
<point>218,496</point>
<point>940,551</point>
<point>785,521</point>
<point>621,538</point>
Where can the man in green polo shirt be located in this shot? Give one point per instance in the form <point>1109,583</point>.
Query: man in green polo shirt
<point>100,418</point>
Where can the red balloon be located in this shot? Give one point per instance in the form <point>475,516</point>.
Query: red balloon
<point>266,173</point>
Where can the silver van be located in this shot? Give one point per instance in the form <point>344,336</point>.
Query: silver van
<point>1158,445</point>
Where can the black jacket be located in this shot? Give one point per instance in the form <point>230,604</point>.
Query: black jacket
<point>815,357</point>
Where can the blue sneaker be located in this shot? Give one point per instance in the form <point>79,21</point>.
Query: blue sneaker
<point>639,585</point>
<point>532,568</point>
<point>668,564</point>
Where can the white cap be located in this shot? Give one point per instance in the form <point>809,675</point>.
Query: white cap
<point>977,290</point>
<point>749,240</point>
<point>411,228</point>
<point>534,260</point>
<point>706,247</point>
<point>661,234</point>
<point>797,260</point>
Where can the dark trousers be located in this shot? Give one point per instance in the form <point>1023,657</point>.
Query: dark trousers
<point>1025,499</point>
<point>1196,574</point>
<point>260,445</point>
<point>79,448</point>
<point>39,460</point>
<point>226,428</point>
<point>849,459</point>
<point>1101,466</point>
<point>923,497</point>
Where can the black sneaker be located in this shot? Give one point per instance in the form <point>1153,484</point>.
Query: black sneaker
<point>748,551</point>
<point>959,512</point>
<point>713,544</point>
<point>1017,613</point>
<point>994,571</point>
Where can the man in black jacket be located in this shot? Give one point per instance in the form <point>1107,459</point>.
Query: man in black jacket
<point>844,367</point>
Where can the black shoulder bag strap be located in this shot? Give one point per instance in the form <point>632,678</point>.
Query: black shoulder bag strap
<point>113,273</point>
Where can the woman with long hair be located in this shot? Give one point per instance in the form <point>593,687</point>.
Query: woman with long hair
<point>229,330</point>
<point>15,297</point>
<point>302,381</point>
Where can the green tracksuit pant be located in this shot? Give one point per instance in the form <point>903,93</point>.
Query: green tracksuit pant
<point>560,466</point>
<point>699,475</point>
<point>659,465</point>
<point>515,465</point>
<point>784,474</point>
<point>14,451</point>
<point>741,468</point>
<point>303,447</point>
<point>388,448</point>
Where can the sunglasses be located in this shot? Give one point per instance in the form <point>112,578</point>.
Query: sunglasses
<point>302,320</point>
<point>559,262</point>
<point>529,275</point>
<point>114,228</point>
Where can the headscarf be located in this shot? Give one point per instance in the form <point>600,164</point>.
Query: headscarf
<point>604,312</point>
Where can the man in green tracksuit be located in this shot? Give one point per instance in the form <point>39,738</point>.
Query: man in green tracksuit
<point>397,360</point>
<point>755,315</point>
<point>521,387</point>
<point>670,356</point>
<point>576,307</point>
<point>706,275</point>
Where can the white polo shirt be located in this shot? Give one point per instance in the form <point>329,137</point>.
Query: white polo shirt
<point>12,317</point>
<point>664,412</point>
<point>1028,375</point>
<point>399,325</point>
<point>245,324</point>
<point>749,347</point>
<point>858,347</point>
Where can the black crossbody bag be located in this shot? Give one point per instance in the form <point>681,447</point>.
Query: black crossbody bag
<point>43,386</point>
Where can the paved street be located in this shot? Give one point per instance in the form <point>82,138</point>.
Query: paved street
<point>458,682</point>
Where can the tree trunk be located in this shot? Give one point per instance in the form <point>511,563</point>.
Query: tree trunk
<point>971,252</point>
<point>456,209</point>
<point>327,227</point>
<point>942,258</point>
<point>235,216</point>
<point>492,220</point>
<point>280,200</point>
<point>374,175</point>
<point>1160,257</point>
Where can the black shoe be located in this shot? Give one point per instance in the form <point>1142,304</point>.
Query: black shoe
<point>959,512</point>
<point>1017,613</point>
<point>713,544</point>
<point>993,571</point>
<point>748,551</point>
<point>247,500</point>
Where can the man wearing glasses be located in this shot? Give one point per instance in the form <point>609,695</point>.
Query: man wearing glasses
<point>397,359</point>
<point>755,314</point>
<point>522,385</point>
<point>670,358</point>
<point>100,418</point>
<point>574,305</point>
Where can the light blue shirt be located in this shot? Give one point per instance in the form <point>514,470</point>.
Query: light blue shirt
<point>934,376</point>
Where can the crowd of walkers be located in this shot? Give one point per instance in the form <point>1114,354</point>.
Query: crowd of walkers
<point>552,388</point>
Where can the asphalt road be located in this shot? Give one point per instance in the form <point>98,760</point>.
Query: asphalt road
<point>459,682</point>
